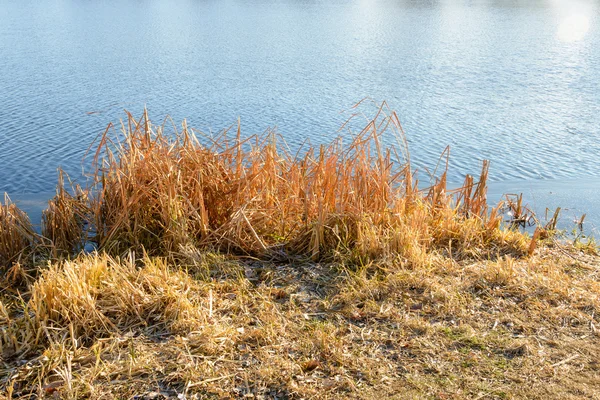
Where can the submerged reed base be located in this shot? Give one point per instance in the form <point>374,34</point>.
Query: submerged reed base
<point>229,268</point>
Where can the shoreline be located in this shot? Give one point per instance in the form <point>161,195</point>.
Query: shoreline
<point>575,196</point>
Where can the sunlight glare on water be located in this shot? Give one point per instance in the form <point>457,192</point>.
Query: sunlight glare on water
<point>574,28</point>
<point>574,18</point>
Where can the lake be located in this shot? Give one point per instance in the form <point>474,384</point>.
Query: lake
<point>515,82</point>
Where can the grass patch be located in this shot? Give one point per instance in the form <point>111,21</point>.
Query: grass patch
<point>230,268</point>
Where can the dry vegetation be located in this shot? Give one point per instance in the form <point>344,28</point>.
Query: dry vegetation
<point>17,236</point>
<point>230,268</point>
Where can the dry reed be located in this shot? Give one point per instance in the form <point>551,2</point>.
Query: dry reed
<point>17,236</point>
<point>65,219</point>
<point>164,191</point>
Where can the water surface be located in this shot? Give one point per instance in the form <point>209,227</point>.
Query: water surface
<point>516,82</point>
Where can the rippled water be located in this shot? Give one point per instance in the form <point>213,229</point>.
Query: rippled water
<point>516,82</point>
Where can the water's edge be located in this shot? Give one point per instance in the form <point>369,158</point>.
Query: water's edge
<point>575,197</point>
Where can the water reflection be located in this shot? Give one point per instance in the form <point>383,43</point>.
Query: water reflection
<point>573,28</point>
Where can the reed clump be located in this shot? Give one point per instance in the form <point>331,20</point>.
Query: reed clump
<point>163,191</point>
<point>65,219</point>
<point>97,296</point>
<point>18,239</point>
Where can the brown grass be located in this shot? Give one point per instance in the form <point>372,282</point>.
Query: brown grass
<point>162,192</point>
<point>229,268</point>
<point>98,327</point>
<point>64,221</point>
<point>17,236</point>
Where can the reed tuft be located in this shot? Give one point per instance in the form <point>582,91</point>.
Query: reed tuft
<point>17,236</point>
<point>164,191</point>
<point>65,219</point>
<point>96,296</point>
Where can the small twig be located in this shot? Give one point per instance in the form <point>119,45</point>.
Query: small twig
<point>565,252</point>
<point>218,378</point>
<point>210,303</point>
<point>253,231</point>
<point>566,360</point>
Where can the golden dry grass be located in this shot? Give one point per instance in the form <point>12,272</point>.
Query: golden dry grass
<point>17,237</point>
<point>229,268</point>
<point>220,327</point>
<point>161,192</point>
<point>65,219</point>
